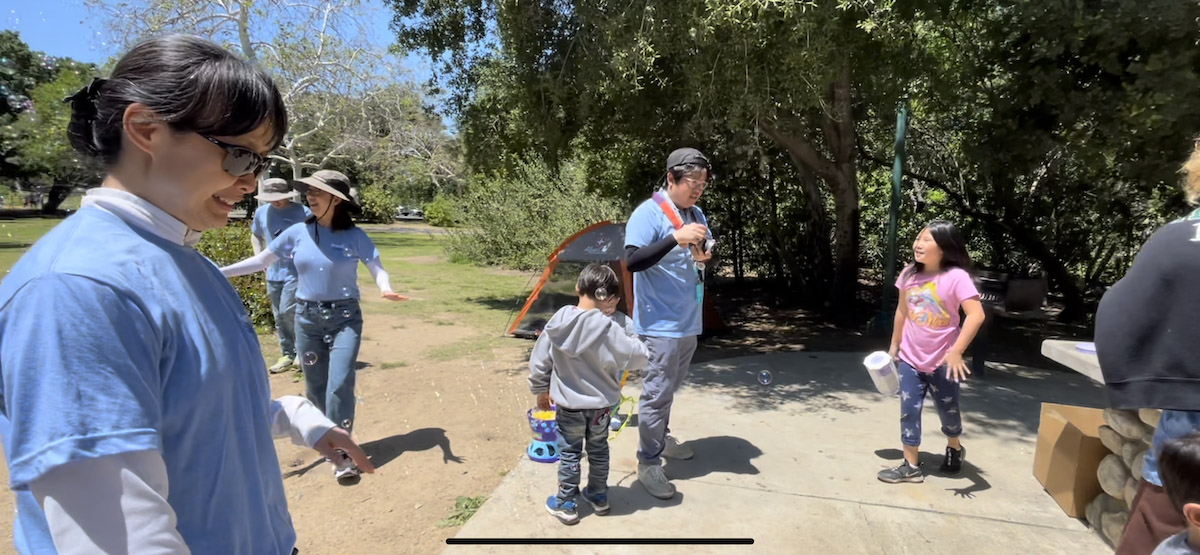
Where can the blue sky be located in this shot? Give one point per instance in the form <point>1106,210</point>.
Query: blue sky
<point>66,28</point>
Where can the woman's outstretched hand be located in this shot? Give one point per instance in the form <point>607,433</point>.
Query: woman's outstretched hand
<point>338,439</point>
<point>394,296</point>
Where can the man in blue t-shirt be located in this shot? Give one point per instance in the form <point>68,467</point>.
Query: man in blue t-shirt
<point>269,222</point>
<point>667,244</point>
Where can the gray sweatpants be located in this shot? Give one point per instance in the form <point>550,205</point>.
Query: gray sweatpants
<point>665,373</point>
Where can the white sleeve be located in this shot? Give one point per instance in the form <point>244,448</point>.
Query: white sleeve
<point>257,243</point>
<point>296,417</point>
<point>115,504</point>
<point>256,263</point>
<point>382,279</point>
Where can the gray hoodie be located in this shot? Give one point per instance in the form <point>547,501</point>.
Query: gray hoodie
<point>580,356</point>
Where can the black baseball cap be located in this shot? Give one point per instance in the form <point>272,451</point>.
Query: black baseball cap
<point>687,156</point>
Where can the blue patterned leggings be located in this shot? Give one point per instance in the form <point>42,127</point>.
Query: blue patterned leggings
<point>914,386</point>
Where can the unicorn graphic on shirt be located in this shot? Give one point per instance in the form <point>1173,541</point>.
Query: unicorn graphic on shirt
<point>925,307</point>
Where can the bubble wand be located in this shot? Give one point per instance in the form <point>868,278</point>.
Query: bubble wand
<point>616,409</point>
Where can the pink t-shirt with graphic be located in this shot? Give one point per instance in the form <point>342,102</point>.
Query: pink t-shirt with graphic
<point>933,321</point>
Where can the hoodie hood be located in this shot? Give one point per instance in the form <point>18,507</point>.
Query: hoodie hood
<point>576,331</point>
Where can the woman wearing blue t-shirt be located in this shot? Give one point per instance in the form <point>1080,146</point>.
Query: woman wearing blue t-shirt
<point>140,412</point>
<point>326,250</point>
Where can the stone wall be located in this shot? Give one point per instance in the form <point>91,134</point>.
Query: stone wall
<point>1127,434</point>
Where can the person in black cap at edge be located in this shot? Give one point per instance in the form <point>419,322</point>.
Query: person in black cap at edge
<point>1146,331</point>
<point>667,244</point>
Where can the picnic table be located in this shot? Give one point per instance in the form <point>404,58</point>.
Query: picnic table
<point>1067,353</point>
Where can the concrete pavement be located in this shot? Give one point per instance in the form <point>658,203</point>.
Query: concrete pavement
<point>792,465</point>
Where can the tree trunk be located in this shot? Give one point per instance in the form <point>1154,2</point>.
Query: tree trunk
<point>55,198</point>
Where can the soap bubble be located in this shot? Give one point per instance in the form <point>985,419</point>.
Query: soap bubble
<point>348,252</point>
<point>310,358</point>
<point>328,339</point>
<point>346,313</point>
<point>764,377</point>
<point>326,313</point>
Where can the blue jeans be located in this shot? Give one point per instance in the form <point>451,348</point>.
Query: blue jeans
<point>913,387</point>
<point>574,427</point>
<point>328,335</point>
<point>283,305</point>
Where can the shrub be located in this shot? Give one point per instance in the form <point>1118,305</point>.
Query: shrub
<point>378,205</point>
<point>232,244</point>
<point>516,220</point>
<point>442,212</point>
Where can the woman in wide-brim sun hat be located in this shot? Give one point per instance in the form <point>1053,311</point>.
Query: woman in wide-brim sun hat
<point>326,250</point>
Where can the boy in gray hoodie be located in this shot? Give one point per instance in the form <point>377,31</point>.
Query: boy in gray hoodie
<point>577,362</point>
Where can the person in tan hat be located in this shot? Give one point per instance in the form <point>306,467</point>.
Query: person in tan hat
<point>326,251</point>
<point>270,221</point>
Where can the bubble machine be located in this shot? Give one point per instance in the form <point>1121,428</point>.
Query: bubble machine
<point>544,447</point>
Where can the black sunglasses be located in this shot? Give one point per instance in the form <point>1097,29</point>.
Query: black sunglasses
<point>240,160</point>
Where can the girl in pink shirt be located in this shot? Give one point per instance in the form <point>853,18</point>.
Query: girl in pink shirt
<point>928,345</point>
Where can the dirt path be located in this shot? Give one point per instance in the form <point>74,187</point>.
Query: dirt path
<point>437,429</point>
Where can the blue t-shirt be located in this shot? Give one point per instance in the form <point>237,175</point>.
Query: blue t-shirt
<point>1174,424</point>
<point>114,340</point>
<point>269,223</point>
<point>326,260</point>
<point>31,532</point>
<point>665,295</point>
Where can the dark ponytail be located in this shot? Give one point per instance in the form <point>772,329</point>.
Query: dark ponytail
<point>190,83</point>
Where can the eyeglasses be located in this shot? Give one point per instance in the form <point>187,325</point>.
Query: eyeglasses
<point>240,160</point>
<point>696,183</point>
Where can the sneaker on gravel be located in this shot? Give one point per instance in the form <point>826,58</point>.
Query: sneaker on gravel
<point>903,473</point>
<point>281,365</point>
<point>564,511</point>
<point>952,464</point>
<point>676,450</point>
<point>599,502</point>
<point>655,481</point>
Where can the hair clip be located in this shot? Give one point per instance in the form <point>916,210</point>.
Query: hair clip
<point>84,100</point>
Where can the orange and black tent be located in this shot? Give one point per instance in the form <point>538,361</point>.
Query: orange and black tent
<point>601,243</point>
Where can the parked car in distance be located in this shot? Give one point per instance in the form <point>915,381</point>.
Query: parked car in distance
<point>409,213</point>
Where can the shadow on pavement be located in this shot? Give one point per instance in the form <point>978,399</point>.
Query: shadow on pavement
<point>1008,399</point>
<point>930,464</point>
<point>727,454</point>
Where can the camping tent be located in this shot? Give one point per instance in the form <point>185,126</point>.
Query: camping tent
<point>601,243</point>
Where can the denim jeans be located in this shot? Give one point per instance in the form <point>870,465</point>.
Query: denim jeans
<point>283,305</point>
<point>914,386</point>
<point>575,429</point>
<point>328,335</point>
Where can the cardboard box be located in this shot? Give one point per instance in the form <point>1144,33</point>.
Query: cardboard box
<point>1068,454</point>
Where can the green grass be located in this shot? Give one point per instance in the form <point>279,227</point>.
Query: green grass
<point>392,365</point>
<point>443,292</point>
<point>464,509</point>
<point>16,236</point>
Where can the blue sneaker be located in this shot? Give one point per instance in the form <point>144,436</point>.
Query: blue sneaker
<point>564,511</point>
<point>599,502</point>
